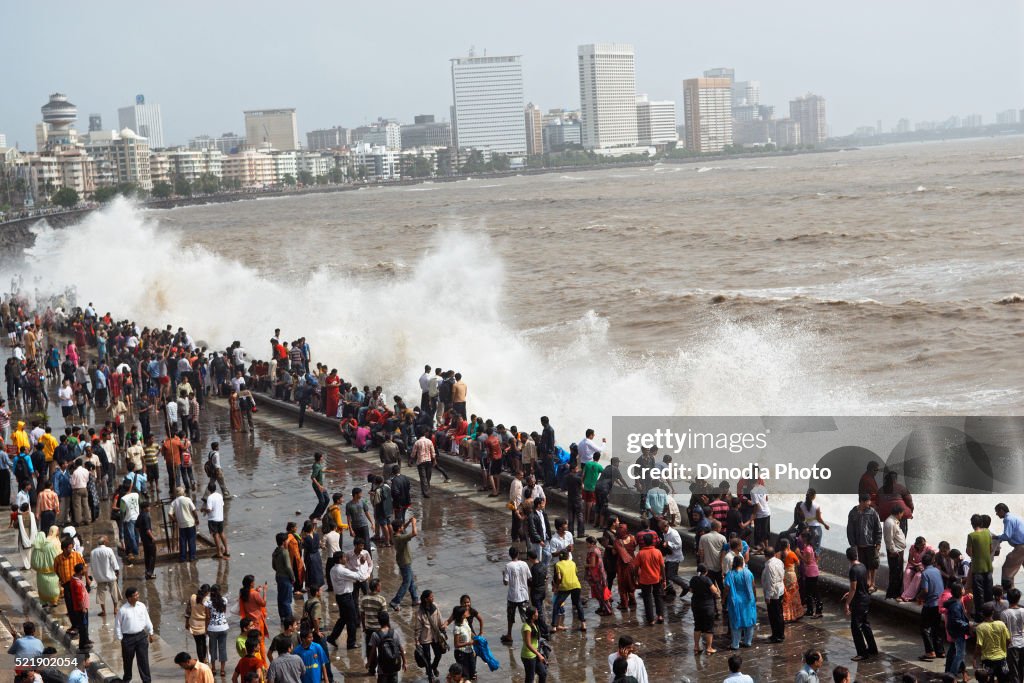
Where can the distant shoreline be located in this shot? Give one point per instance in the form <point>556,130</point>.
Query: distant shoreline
<point>17,230</point>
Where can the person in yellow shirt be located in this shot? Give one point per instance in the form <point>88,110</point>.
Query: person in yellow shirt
<point>566,584</point>
<point>20,438</point>
<point>992,638</point>
<point>49,442</point>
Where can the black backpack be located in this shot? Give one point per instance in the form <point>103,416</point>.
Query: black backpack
<point>208,467</point>
<point>389,659</point>
<point>21,471</point>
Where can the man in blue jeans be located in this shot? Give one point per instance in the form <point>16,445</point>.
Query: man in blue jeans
<point>403,557</point>
<point>184,512</point>
<point>933,632</point>
<point>284,575</point>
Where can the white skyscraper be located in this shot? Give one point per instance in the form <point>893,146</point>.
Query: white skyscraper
<point>607,74</point>
<point>144,119</point>
<point>655,122</point>
<point>488,104</point>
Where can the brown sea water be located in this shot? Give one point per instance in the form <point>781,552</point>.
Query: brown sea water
<point>899,263</point>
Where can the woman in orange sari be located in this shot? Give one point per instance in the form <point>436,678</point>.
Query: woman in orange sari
<point>333,386</point>
<point>294,546</point>
<point>625,546</point>
<point>236,413</point>
<point>252,603</point>
<point>792,606</point>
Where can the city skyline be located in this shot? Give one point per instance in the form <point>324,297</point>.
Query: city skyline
<point>905,74</point>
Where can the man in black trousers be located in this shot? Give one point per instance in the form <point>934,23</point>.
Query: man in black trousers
<point>858,600</point>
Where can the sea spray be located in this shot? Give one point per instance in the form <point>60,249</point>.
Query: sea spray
<point>447,308</point>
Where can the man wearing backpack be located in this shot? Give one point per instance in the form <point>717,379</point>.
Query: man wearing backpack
<point>188,477</point>
<point>213,469</point>
<point>401,493</point>
<point>23,470</point>
<point>386,653</point>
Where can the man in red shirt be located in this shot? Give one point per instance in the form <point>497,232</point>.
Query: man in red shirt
<point>650,566</point>
<point>80,605</point>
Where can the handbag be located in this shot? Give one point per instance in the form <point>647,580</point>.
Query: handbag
<point>421,662</point>
<point>440,637</point>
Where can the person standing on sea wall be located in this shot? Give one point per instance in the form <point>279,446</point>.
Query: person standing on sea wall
<point>1013,534</point>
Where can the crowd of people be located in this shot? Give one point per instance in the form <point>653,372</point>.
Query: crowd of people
<point>150,383</point>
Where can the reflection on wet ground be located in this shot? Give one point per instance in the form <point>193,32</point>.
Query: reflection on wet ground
<point>462,549</point>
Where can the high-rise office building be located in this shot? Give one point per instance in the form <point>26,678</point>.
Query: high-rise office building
<point>327,138</point>
<point>275,128</point>
<point>707,113</point>
<point>426,132</point>
<point>534,132</point>
<point>487,104</point>
<point>95,123</point>
<point>607,73</point>
<point>655,121</point>
<point>228,143</point>
<point>722,72</point>
<point>809,112</point>
<point>1007,116</point>
<point>144,120</point>
<point>746,92</point>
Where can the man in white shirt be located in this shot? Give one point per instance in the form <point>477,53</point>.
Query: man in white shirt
<point>672,546</point>
<point>37,431</point>
<point>425,389</point>
<point>434,390</point>
<point>895,545</point>
<point>214,509</point>
<point>635,666</point>
<point>172,416</point>
<point>80,512</point>
<point>735,675</point>
<point>773,582</point>
<point>762,514</point>
<point>587,447</point>
<point>343,580</point>
<point>238,355</point>
<point>332,546</point>
<point>130,504</point>
<point>66,398</point>
<point>709,552</point>
<point>516,576</point>
<point>134,455</point>
<point>106,572</point>
<point>134,629</point>
<point>183,510</point>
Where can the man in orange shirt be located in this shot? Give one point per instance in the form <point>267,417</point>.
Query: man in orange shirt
<point>195,671</point>
<point>47,505</point>
<point>64,566</point>
<point>650,566</point>
<point>171,448</point>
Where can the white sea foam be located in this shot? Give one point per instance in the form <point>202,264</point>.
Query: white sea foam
<point>447,308</point>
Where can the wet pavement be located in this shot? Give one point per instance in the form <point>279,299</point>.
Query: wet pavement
<point>462,549</point>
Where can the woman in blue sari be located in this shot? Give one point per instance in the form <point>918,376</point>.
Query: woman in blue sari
<point>742,604</point>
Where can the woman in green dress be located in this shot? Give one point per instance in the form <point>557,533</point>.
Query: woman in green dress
<point>43,555</point>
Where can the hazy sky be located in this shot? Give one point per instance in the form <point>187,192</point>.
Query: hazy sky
<point>346,63</point>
